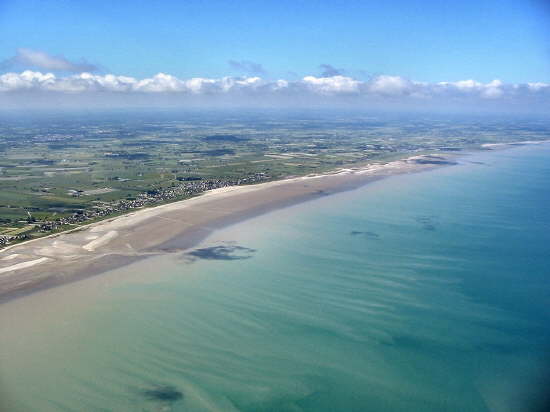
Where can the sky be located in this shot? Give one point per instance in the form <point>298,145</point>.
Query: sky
<point>495,53</point>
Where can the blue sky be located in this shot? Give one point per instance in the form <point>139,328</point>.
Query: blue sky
<point>427,41</point>
<point>397,55</point>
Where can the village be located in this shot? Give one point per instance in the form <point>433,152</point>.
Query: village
<point>101,210</point>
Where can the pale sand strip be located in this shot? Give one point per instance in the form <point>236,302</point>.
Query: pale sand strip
<point>24,265</point>
<point>11,257</point>
<point>507,144</point>
<point>100,241</point>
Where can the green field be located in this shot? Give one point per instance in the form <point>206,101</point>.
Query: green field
<point>53,168</point>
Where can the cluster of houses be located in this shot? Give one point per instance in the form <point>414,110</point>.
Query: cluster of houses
<point>152,197</point>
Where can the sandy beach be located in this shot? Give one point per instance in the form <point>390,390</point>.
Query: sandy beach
<point>174,227</point>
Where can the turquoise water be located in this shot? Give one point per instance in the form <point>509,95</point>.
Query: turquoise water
<point>423,292</point>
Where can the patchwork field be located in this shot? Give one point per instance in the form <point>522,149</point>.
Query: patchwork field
<point>56,173</point>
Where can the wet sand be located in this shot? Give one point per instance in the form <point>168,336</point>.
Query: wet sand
<point>105,245</point>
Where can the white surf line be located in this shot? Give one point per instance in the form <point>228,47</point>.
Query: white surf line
<point>24,265</point>
<point>91,246</point>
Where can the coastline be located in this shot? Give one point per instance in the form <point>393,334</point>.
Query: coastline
<point>369,270</point>
<point>92,249</point>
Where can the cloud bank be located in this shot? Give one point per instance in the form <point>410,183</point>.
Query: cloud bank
<point>310,90</point>
<point>44,61</point>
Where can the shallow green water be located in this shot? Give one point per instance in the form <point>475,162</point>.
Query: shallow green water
<point>424,292</point>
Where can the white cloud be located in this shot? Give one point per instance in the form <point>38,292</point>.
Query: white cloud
<point>87,82</point>
<point>37,59</point>
<point>464,84</point>
<point>332,85</point>
<point>160,83</point>
<point>199,85</point>
<point>280,84</point>
<point>491,90</point>
<point>229,84</point>
<point>390,85</point>
<point>311,89</point>
<point>538,86</point>
<point>26,80</point>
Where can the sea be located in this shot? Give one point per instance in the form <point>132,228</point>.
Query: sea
<point>427,291</point>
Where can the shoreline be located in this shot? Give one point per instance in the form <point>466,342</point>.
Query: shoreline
<point>92,249</point>
<point>486,146</point>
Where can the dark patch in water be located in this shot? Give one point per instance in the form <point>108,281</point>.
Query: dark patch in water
<point>367,234</point>
<point>224,252</point>
<point>428,222</point>
<point>163,393</point>
<point>433,162</point>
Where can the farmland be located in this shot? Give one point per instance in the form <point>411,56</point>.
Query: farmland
<point>59,172</point>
